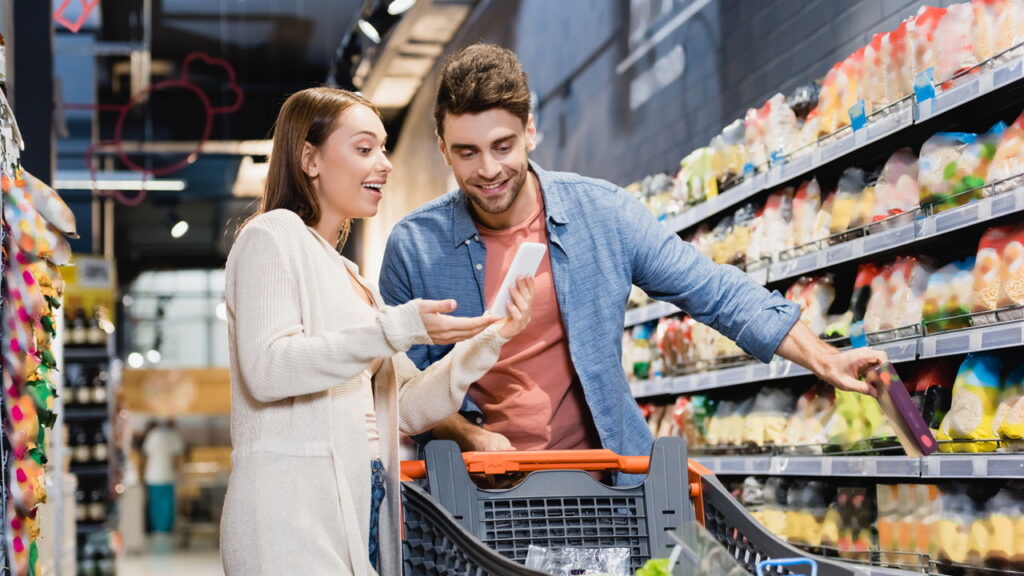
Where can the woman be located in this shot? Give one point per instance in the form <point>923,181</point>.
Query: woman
<point>318,363</point>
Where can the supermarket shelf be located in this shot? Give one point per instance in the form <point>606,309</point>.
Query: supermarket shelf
<point>981,465</point>
<point>90,528</point>
<point>902,235</point>
<point>74,414</point>
<point>88,353</point>
<point>844,466</point>
<point>898,118</point>
<point>650,312</point>
<point>90,469</point>
<point>976,339</point>
<point>777,369</point>
<point>945,466</point>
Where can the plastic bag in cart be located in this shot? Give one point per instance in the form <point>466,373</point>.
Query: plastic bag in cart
<point>573,561</point>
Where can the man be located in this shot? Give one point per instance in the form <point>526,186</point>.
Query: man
<point>559,384</point>
<point>162,449</point>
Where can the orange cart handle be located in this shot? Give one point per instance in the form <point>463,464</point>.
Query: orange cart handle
<point>529,461</point>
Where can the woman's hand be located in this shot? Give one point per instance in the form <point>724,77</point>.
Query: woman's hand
<point>518,307</point>
<point>445,329</point>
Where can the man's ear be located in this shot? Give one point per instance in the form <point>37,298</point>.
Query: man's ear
<point>531,134</point>
<point>310,160</point>
<point>444,151</point>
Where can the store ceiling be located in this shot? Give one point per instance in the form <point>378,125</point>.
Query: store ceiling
<point>274,48</point>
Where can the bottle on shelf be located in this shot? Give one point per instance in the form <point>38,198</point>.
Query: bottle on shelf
<point>94,334</point>
<point>97,511</point>
<point>80,388</point>
<point>86,558</point>
<point>78,328</point>
<point>81,505</point>
<point>99,387</point>
<point>81,446</point>
<point>104,558</point>
<point>99,445</point>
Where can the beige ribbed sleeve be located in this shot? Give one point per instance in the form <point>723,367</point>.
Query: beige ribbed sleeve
<point>421,395</point>
<point>276,359</point>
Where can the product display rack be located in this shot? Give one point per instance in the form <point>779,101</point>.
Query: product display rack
<point>88,410</point>
<point>988,93</point>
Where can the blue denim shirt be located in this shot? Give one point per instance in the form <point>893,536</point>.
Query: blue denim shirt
<point>601,241</point>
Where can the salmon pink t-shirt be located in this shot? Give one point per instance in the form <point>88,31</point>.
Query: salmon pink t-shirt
<point>532,395</point>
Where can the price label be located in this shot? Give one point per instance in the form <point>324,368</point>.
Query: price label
<point>889,239</point>
<point>1004,204</point>
<point>957,218</point>
<point>842,146</point>
<point>1005,467</point>
<point>796,167</point>
<point>957,344</point>
<point>840,253</point>
<point>958,95</point>
<point>1008,73</point>
<point>1001,337</point>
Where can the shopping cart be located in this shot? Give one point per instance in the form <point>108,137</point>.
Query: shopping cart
<point>453,527</point>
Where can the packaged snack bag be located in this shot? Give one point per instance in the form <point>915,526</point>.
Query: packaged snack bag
<point>907,283</point>
<point>937,170</point>
<point>1009,25</point>
<point>954,49</point>
<point>873,75</point>
<point>782,127</point>
<point>952,528</point>
<point>815,297</point>
<point>829,101</point>
<point>823,224</point>
<point>1009,156</point>
<point>989,273</point>
<point>806,204</point>
<point>754,132</point>
<point>975,399</point>
<point>898,56</point>
<point>847,207</point>
<point>897,190</point>
<point>984,38</point>
<point>880,301</point>
<point>921,33</point>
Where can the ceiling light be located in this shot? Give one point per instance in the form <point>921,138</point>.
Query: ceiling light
<point>179,229</point>
<point>176,224</point>
<point>126,185</point>
<point>369,31</point>
<point>398,6</point>
<point>153,356</point>
<point>135,360</point>
<point>222,312</point>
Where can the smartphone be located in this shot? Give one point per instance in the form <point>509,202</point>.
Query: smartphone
<point>525,263</point>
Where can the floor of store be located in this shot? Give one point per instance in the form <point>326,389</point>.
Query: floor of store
<point>201,562</point>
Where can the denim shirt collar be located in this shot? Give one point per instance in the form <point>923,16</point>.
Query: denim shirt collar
<point>464,228</point>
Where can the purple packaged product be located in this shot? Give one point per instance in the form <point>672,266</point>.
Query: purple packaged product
<point>912,430</point>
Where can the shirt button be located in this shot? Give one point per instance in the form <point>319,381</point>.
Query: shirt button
<point>475,237</point>
<point>479,266</point>
<point>467,241</point>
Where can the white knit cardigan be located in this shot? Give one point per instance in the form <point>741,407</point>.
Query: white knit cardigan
<point>299,496</point>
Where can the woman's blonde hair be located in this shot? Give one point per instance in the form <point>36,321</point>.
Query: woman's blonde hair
<point>307,116</point>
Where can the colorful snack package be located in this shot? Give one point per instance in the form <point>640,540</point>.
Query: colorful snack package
<point>754,131</point>
<point>1009,25</point>
<point>948,296</point>
<point>1009,156</point>
<point>897,190</point>
<point>805,426</point>
<point>782,127</point>
<point>937,170</point>
<point>984,39</point>
<point>823,223</point>
<point>847,84</point>
<point>907,283</point>
<point>815,297</point>
<point>975,399</point>
<point>846,209</point>
<point>873,75</point>
<point>989,272</point>
<point>921,32</point>
<point>898,58</point>
<point>806,204</point>
<point>954,50</point>
<point>880,302</point>
<point>953,526</point>
<point>829,101</point>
